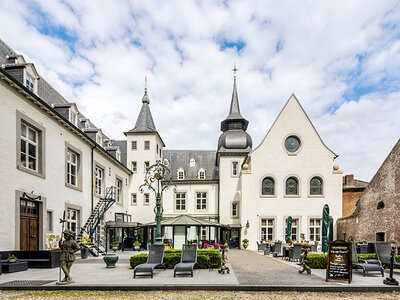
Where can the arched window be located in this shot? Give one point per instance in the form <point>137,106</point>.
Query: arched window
<point>316,186</point>
<point>380,205</point>
<point>292,186</point>
<point>202,174</point>
<point>181,174</point>
<point>268,186</point>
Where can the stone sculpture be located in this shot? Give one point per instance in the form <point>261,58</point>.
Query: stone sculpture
<point>68,248</point>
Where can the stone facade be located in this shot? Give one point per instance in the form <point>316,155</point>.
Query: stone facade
<point>378,211</point>
<point>352,190</point>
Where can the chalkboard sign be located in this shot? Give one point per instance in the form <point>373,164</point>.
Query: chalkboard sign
<point>339,261</point>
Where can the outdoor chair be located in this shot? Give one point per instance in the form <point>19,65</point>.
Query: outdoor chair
<point>314,247</point>
<point>294,252</point>
<point>370,265</point>
<point>383,252</point>
<point>261,246</point>
<point>188,260</point>
<point>278,248</point>
<point>154,260</point>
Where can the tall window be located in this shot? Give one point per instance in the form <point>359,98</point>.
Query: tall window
<point>203,233</point>
<point>292,186</point>
<point>72,117</point>
<point>49,221</point>
<point>133,199</point>
<point>315,229</point>
<point>202,174</point>
<point>134,166</point>
<point>29,82</point>
<point>295,233</point>
<point>201,201</point>
<point>134,145</point>
<point>72,168</point>
<point>99,139</point>
<point>146,199</point>
<point>267,229</point>
<point>72,220</point>
<point>146,166</point>
<point>181,174</point>
<point>268,186</point>
<point>316,186</point>
<point>146,145</point>
<point>235,168</point>
<point>29,147</point>
<point>180,201</point>
<point>119,190</point>
<point>99,180</point>
<point>235,212</point>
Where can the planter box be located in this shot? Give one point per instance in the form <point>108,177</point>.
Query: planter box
<point>35,259</point>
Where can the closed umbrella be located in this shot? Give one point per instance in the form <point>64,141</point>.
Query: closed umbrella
<point>325,225</point>
<point>330,235</point>
<point>289,229</point>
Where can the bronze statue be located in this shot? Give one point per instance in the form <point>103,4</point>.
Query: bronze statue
<point>68,248</point>
<point>304,261</point>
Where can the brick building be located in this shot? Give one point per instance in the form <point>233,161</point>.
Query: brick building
<point>352,190</point>
<point>377,213</point>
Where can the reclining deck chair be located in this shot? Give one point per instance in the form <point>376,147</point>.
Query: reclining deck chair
<point>155,259</point>
<point>383,252</point>
<point>188,260</point>
<point>369,265</point>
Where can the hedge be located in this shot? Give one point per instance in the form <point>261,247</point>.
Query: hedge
<point>206,258</point>
<point>318,261</point>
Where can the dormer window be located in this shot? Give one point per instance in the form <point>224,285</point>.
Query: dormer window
<point>192,162</point>
<point>99,139</point>
<point>181,174</point>
<point>72,117</point>
<point>30,82</point>
<point>118,155</point>
<point>201,174</point>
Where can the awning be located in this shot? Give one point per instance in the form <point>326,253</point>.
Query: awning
<point>186,220</point>
<point>123,224</point>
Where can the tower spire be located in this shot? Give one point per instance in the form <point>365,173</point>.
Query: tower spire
<point>145,84</point>
<point>234,73</point>
<point>145,98</point>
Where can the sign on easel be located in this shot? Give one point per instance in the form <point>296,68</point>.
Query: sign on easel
<point>338,265</point>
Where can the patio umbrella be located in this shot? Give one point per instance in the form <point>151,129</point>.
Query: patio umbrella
<point>289,229</point>
<point>325,225</point>
<point>330,235</point>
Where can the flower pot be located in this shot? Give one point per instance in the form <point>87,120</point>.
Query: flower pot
<point>245,245</point>
<point>84,252</point>
<point>114,247</point>
<point>110,260</point>
<point>12,260</point>
<point>137,247</point>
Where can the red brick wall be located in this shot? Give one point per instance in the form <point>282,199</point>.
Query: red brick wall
<point>349,202</point>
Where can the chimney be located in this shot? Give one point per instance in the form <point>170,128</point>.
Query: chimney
<point>349,180</point>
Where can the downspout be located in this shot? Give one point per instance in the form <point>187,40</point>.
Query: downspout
<point>91,176</point>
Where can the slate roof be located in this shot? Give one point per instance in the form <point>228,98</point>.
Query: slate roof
<point>144,122</point>
<point>123,148</point>
<point>180,159</point>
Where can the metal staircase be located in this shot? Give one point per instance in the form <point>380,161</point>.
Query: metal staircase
<point>97,242</point>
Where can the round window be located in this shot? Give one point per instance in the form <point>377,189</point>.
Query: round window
<point>292,143</point>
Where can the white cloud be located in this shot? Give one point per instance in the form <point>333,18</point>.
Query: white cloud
<point>326,51</point>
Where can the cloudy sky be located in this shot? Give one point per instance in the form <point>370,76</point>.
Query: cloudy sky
<point>340,58</point>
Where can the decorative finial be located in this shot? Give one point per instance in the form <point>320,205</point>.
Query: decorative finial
<point>145,85</point>
<point>234,73</point>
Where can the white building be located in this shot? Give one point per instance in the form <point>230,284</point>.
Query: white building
<point>56,159</point>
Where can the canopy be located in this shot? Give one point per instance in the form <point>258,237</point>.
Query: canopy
<point>325,225</point>
<point>186,220</point>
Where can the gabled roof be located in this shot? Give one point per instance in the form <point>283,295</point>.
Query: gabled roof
<point>293,98</point>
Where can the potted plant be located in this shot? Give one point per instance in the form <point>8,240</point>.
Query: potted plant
<point>85,242</point>
<point>137,245</point>
<point>12,258</point>
<point>245,243</point>
<point>115,245</point>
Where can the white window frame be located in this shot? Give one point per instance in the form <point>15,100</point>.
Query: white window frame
<point>312,236</point>
<point>268,236</point>
<point>30,82</point>
<point>133,199</point>
<point>180,201</point>
<point>180,174</point>
<point>118,190</point>
<point>70,165</point>
<point>134,145</point>
<point>201,174</point>
<point>71,220</point>
<point>99,139</point>
<point>25,139</point>
<point>73,117</point>
<point>134,166</point>
<point>99,180</point>
<point>146,166</point>
<point>235,209</point>
<point>235,169</point>
<point>201,200</point>
<point>146,199</point>
<point>146,145</point>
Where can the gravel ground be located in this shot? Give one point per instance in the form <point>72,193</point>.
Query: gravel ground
<point>177,295</point>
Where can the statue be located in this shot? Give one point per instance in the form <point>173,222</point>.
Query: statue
<point>68,248</point>
<point>304,261</point>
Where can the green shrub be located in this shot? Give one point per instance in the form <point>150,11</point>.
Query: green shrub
<point>317,261</point>
<point>206,258</point>
<point>367,256</point>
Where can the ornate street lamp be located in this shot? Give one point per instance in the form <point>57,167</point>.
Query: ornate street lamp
<point>158,178</point>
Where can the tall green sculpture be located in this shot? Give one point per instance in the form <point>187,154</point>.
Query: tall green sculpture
<point>289,229</point>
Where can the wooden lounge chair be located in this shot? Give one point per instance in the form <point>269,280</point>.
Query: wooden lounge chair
<point>188,260</point>
<point>383,251</point>
<point>370,265</point>
<point>154,260</point>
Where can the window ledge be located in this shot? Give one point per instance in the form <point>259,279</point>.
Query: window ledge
<point>38,174</point>
<point>98,195</point>
<point>316,196</point>
<point>118,203</point>
<point>133,204</point>
<point>292,196</point>
<point>74,187</point>
<point>268,196</point>
<point>146,204</point>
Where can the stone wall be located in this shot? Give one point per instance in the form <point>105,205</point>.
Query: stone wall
<point>350,197</point>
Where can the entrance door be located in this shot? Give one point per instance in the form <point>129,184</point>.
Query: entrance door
<point>235,239</point>
<point>29,225</point>
<point>179,236</point>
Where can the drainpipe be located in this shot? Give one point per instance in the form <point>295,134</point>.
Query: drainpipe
<point>91,176</point>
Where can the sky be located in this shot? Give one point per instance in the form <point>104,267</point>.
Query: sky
<point>340,58</point>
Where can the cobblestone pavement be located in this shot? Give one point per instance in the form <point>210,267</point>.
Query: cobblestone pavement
<point>255,269</point>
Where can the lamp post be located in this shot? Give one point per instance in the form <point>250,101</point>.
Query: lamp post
<point>157,179</point>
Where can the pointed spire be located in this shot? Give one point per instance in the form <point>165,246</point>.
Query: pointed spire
<point>234,111</point>
<point>145,98</point>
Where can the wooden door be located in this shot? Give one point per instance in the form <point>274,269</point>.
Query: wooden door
<point>33,234</point>
<point>24,233</point>
<point>29,225</point>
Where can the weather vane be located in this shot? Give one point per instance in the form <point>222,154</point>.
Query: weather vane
<point>234,73</point>
<point>145,84</point>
